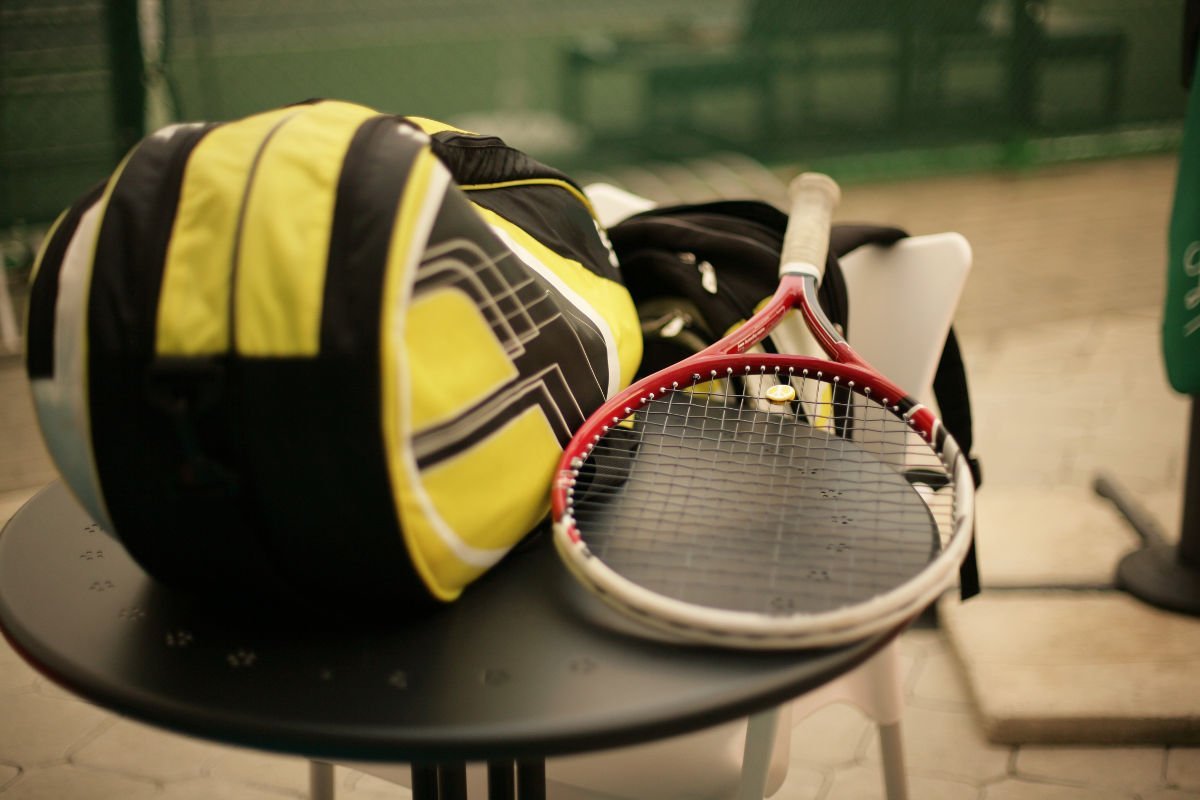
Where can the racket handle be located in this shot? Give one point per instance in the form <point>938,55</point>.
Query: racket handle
<point>806,242</point>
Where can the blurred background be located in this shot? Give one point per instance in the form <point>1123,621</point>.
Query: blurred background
<point>867,88</point>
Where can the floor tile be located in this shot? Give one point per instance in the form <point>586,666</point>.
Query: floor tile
<point>1136,768</point>
<point>1078,667</point>
<point>361,786</point>
<point>260,770</point>
<point>40,730</point>
<point>1048,536</point>
<point>946,744</point>
<point>15,674</point>
<point>830,736</point>
<point>801,783</point>
<point>67,782</point>
<point>147,752</point>
<point>212,789</point>
<point>1183,767</point>
<point>939,683</point>
<point>1016,789</point>
<point>861,782</point>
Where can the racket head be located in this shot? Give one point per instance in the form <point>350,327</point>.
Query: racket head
<point>699,507</point>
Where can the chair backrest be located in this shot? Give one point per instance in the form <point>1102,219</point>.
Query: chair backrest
<point>902,301</point>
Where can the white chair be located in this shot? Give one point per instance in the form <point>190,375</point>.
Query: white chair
<point>902,300</point>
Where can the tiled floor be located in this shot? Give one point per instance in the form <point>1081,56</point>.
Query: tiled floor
<point>1059,327</point>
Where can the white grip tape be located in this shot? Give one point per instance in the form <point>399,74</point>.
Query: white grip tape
<point>806,242</point>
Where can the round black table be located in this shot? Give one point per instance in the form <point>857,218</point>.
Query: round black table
<point>524,666</point>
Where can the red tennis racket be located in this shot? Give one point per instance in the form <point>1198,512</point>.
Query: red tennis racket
<point>756,500</point>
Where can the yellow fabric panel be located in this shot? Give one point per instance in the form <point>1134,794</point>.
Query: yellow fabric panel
<point>442,325</point>
<point>432,126</point>
<point>193,307</point>
<point>496,491</point>
<point>282,257</point>
<point>609,298</point>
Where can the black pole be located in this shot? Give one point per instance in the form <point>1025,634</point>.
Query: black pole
<point>1163,574</point>
<point>125,70</point>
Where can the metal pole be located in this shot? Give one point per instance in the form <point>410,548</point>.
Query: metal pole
<point>126,72</point>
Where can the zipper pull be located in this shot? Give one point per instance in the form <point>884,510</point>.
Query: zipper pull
<point>708,277</point>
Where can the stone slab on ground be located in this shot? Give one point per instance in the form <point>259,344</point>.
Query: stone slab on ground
<point>1077,667</point>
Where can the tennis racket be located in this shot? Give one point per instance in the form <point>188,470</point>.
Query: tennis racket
<point>756,500</point>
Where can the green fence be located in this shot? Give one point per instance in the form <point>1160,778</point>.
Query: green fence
<point>880,86</point>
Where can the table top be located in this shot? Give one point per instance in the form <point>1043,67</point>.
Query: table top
<point>526,664</point>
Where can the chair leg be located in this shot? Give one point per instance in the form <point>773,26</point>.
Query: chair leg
<point>756,758</point>
<point>891,751</point>
<point>320,780</point>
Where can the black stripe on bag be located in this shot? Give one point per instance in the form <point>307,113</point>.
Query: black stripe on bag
<point>131,249</point>
<point>43,295</point>
<point>373,178</point>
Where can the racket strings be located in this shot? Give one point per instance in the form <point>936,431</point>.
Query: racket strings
<point>711,495</point>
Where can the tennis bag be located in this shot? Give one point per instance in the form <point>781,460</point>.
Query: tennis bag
<point>322,354</point>
<point>698,271</point>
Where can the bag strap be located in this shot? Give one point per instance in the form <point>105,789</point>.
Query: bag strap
<point>949,381</point>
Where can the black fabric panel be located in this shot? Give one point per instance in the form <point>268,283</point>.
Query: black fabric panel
<point>555,218</point>
<point>43,295</point>
<point>317,462</point>
<point>740,239</point>
<point>474,159</point>
<point>372,180</point>
<point>846,237</point>
<point>744,254</point>
<point>757,212</point>
<point>177,490</point>
<point>132,245</point>
<point>950,386</point>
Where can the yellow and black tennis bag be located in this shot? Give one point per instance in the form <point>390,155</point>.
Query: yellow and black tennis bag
<point>323,354</point>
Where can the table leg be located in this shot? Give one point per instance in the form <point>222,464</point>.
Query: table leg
<point>320,780</point>
<point>756,758</point>
<point>452,781</point>
<point>424,782</point>
<point>501,781</point>
<point>531,780</point>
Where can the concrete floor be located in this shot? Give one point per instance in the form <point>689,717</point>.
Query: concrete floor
<point>1059,326</point>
